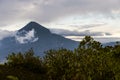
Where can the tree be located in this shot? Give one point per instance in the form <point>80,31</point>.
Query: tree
<point>90,61</point>
<point>89,43</point>
<point>26,60</point>
<point>94,62</point>
<point>60,64</point>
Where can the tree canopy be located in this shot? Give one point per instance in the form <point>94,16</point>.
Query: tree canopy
<point>90,61</point>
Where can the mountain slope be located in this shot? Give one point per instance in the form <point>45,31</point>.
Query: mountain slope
<point>35,36</point>
<point>111,43</point>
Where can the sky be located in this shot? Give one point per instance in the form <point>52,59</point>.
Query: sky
<point>73,19</point>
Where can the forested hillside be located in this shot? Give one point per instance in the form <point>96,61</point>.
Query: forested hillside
<point>90,61</point>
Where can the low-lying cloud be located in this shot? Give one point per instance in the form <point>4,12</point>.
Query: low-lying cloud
<point>27,37</point>
<point>5,33</point>
<point>77,33</point>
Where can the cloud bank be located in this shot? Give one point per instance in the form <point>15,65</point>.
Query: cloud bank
<point>77,33</point>
<point>46,11</point>
<point>5,33</point>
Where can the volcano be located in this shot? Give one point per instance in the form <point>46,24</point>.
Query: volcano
<point>37,37</point>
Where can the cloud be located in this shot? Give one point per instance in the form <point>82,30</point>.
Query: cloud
<point>86,26</point>
<point>100,39</point>
<point>49,10</point>
<point>5,33</point>
<point>93,25</point>
<point>27,37</point>
<point>77,33</point>
<point>55,9</point>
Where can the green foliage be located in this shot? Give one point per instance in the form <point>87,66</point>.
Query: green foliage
<point>59,64</point>
<point>26,62</point>
<point>12,77</point>
<point>89,43</point>
<point>90,61</point>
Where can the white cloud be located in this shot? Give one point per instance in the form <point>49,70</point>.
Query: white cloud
<point>5,33</point>
<point>27,37</point>
<point>100,39</point>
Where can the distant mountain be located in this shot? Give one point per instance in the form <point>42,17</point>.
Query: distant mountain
<point>35,36</point>
<point>111,43</point>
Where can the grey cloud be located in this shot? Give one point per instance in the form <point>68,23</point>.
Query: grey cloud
<point>58,9</point>
<point>15,11</point>
<point>87,26</point>
<point>50,10</point>
<point>5,33</point>
<point>102,40</point>
<point>76,33</point>
<point>93,25</point>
